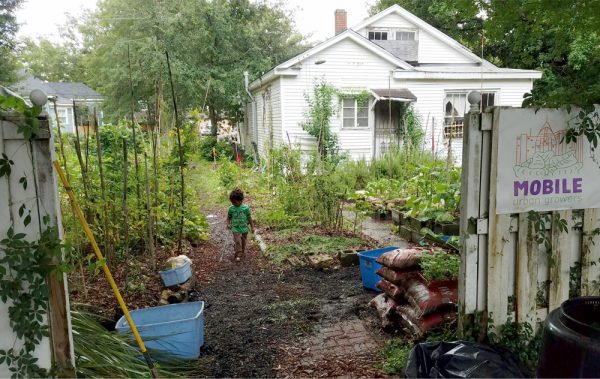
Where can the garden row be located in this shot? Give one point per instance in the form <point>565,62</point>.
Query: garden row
<point>419,193</point>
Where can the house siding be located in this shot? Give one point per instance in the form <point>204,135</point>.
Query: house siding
<point>430,106</point>
<point>347,66</point>
<point>268,117</point>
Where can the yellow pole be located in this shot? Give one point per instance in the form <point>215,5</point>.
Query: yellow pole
<point>111,281</point>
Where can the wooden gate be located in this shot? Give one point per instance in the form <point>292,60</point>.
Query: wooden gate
<point>511,266</point>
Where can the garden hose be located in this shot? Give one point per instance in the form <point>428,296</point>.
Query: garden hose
<point>109,276</point>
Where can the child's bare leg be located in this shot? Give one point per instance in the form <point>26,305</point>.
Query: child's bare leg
<point>238,245</point>
<point>244,238</point>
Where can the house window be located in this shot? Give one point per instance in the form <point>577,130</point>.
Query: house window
<point>405,36</point>
<point>62,117</point>
<point>355,113</point>
<point>455,108</point>
<point>378,36</point>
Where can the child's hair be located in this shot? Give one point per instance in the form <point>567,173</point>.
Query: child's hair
<point>236,195</point>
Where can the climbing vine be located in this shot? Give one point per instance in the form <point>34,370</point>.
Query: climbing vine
<point>25,265</point>
<point>587,124</point>
<point>317,123</point>
<point>539,221</point>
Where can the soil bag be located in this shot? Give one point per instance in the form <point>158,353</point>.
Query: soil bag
<point>391,290</point>
<point>401,278</point>
<point>461,359</point>
<point>417,326</point>
<point>428,298</point>
<point>386,308</point>
<point>400,258</point>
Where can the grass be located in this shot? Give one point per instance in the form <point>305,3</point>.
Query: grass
<point>310,245</point>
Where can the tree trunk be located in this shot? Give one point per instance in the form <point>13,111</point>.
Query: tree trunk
<point>213,120</point>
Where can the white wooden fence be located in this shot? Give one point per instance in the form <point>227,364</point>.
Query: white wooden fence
<point>33,160</point>
<point>504,272</point>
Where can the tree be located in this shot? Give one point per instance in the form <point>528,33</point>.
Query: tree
<point>51,61</point>
<point>208,42</point>
<point>560,38</point>
<point>8,29</point>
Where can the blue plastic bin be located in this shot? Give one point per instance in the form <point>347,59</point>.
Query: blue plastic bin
<point>368,266</point>
<point>176,275</point>
<point>177,329</point>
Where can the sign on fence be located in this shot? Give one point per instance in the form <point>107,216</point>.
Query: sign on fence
<point>537,169</point>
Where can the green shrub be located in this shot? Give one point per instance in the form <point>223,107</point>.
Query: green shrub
<point>439,266</point>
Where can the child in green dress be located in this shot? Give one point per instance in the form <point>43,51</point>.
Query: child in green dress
<point>238,220</point>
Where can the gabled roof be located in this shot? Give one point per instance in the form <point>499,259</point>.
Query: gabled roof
<point>287,67</point>
<point>422,25</point>
<point>351,35</point>
<point>65,92</point>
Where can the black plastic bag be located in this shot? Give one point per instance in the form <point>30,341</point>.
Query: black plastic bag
<point>461,359</point>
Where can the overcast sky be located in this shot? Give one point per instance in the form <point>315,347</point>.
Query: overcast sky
<point>41,18</point>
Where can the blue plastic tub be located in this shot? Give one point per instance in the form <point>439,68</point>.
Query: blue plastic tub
<point>368,266</point>
<point>176,275</point>
<point>177,329</point>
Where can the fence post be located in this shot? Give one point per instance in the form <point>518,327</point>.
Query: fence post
<point>469,212</point>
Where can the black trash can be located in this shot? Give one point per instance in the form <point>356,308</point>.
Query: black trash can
<point>571,341</point>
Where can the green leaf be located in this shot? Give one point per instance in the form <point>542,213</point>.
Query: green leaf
<point>27,220</point>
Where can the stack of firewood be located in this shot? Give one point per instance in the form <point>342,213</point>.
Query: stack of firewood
<point>409,301</point>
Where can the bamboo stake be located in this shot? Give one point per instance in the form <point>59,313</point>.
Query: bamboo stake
<point>180,156</point>
<point>107,241</point>
<point>84,171</point>
<point>60,139</point>
<point>107,273</point>
<point>135,152</point>
<point>150,239</point>
<point>125,208</point>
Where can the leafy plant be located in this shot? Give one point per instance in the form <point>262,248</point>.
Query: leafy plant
<point>520,339</point>
<point>395,354</point>
<point>439,265</point>
<point>320,111</point>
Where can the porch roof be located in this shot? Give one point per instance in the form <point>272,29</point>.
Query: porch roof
<point>399,94</point>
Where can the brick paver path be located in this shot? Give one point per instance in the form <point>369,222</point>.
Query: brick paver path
<point>340,339</point>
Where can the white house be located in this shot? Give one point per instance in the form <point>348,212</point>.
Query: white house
<point>64,95</point>
<point>393,56</point>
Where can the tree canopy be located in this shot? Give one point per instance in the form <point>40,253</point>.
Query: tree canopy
<point>210,44</point>
<point>8,29</point>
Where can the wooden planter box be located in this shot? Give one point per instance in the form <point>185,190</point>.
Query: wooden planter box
<point>448,229</point>
<point>410,234</point>
<point>397,216</point>
<point>381,214</point>
<point>416,224</point>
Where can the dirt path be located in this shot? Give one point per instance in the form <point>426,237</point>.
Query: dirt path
<point>265,322</point>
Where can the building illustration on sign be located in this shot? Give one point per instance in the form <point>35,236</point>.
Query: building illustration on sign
<point>547,154</point>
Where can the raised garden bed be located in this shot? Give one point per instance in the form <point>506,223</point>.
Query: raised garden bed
<point>448,229</point>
